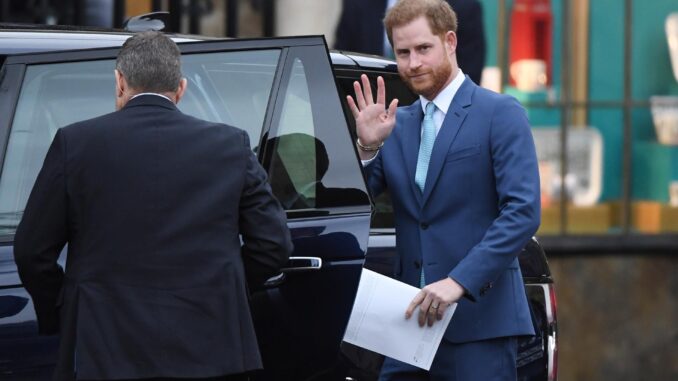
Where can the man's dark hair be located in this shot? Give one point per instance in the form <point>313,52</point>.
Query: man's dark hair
<point>150,62</point>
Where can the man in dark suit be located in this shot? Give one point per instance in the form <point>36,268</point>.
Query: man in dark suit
<point>461,168</point>
<point>168,219</point>
<point>360,29</point>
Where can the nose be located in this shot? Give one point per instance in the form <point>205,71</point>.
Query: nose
<point>415,62</point>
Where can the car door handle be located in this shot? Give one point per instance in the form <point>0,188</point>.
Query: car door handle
<point>295,264</point>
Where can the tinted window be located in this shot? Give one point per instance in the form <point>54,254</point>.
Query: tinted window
<point>230,87</point>
<point>312,160</point>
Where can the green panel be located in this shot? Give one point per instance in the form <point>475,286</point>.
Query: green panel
<point>654,166</point>
<point>652,73</point>
<point>606,50</point>
<point>643,127</point>
<point>610,124</point>
<point>538,116</point>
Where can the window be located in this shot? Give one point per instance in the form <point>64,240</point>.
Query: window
<point>228,87</point>
<point>312,160</point>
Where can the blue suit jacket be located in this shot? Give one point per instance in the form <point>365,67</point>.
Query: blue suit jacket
<point>479,207</point>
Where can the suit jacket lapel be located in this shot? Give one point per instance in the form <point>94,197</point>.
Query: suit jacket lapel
<point>411,136</point>
<point>456,114</point>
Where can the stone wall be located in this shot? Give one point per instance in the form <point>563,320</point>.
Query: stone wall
<point>617,317</point>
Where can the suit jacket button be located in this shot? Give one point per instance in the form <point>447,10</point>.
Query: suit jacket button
<point>424,225</point>
<point>417,264</point>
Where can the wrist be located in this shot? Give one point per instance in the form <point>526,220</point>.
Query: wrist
<point>368,147</point>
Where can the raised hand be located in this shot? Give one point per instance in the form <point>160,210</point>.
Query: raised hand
<point>374,122</point>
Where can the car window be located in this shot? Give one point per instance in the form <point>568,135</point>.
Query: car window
<point>226,87</point>
<point>313,163</point>
<point>230,87</point>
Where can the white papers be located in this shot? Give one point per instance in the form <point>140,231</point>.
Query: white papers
<point>378,322</point>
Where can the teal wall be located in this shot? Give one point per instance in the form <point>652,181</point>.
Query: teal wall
<point>654,165</point>
<point>606,83</point>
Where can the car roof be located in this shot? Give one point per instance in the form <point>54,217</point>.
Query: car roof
<point>28,38</point>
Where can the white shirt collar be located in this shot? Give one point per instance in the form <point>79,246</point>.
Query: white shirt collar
<point>444,98</point>
<point>156,94</point>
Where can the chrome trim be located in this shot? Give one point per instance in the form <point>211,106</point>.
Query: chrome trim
<point>303,264</point>
<point>386,240</point>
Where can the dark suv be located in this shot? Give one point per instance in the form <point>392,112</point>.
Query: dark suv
<point>288,94</point>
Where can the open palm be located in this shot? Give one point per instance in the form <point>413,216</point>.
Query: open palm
<point>374,122</point>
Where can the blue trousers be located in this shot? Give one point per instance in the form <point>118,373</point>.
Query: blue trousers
<point>486,360</point>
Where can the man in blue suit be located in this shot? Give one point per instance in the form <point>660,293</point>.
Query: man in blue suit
<point>461,168</point>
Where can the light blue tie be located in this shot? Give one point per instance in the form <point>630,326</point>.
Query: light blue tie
<point>428,137</point>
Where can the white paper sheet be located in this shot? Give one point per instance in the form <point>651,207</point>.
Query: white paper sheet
<point>378,322</point>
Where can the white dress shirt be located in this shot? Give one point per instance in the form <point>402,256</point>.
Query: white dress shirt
<point>156,94</point>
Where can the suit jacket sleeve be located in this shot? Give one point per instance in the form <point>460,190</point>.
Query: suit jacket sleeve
<point>42,234</point>
<point>517,185</point>
<point>266,239</point>
<point>374,173</point>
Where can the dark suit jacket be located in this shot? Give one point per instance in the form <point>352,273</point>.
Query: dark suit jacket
<point>361,29</point>
<point>479,207</point>
<point>151,203</point>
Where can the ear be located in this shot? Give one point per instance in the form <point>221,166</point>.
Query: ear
<point>120,84</point>
<point>450,41</point>
<point>183,83</point>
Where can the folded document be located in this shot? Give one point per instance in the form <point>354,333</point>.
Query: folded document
<point>378,322</point>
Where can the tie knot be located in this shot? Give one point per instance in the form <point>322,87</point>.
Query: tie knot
<point>430,109</point>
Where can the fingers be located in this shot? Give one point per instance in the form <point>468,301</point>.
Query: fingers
<point>414,303</point>
<point>431,309</point>
<point>351,105</point>
<point>381,91</point>
<point>440,312</point>
<point>431,316</point>
<point>367,89</point>
<point>359,97</point>
<point>424,309</point>
<point>393,107</point>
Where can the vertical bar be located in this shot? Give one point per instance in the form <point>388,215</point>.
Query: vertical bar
<point>4,10</point>
<point>156,5</point>
<point>193,17</point>
<point>268,9</point>
<point>118,13</point>
<point>565,106</point>
<point>79,12</point>
<point>232,18</point>
<point>43,12</point>
<point>175,9</point>
<point>627,170</point>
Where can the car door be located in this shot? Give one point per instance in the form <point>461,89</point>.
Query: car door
<point>282,93</point>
